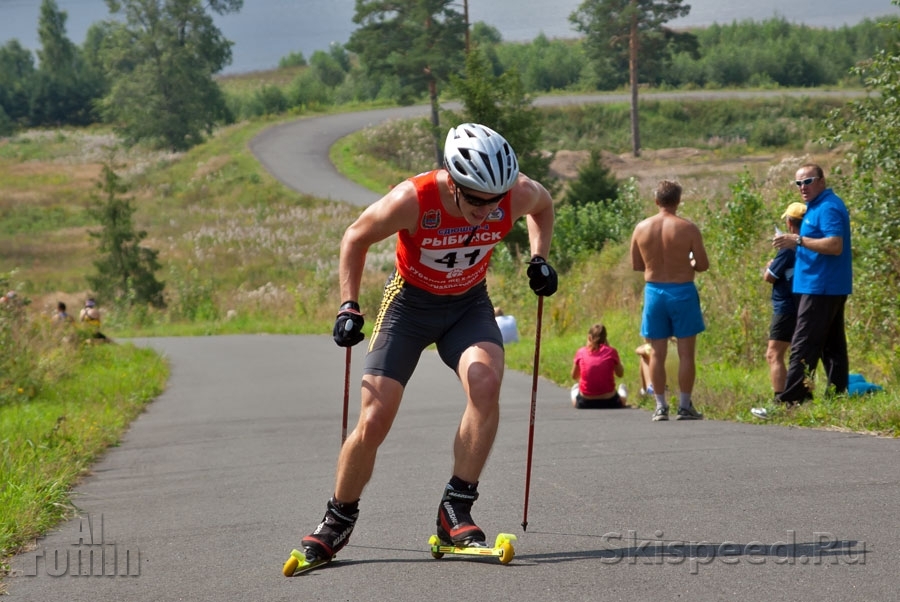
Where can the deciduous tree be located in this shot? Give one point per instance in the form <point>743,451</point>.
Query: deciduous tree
<point>872,127</point>
<point>65,87</point>
<point>16,83</point>
<point>161,58</point>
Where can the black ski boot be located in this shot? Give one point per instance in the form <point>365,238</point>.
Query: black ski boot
<point>333,532</point>
<point>454,521</point>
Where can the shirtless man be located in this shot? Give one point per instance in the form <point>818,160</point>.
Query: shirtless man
<point>447,223</point>
<point>669,250</point>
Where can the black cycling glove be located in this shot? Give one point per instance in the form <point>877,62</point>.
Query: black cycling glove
<point>542,278</point>
<point>348,325</point>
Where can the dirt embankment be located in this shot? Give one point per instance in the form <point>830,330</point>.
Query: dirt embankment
<point>654,165</point>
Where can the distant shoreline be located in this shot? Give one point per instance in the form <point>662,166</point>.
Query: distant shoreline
<point>265,31</point>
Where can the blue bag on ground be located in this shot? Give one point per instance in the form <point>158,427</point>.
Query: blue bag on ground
<point>857,385</point>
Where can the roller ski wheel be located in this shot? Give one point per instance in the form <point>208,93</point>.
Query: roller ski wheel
<point>503,548</point>
<point>298,563</point>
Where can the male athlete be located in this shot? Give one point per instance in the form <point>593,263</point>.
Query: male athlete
<point>448,221</point>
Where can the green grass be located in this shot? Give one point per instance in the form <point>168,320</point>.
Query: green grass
<point>362,168</point>
<point>50,441</point>
<point>30,220</point>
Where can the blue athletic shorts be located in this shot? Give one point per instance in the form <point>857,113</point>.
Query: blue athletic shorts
<point>410,319</point>
<point>671,310</point>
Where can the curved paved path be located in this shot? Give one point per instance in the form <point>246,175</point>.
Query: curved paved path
<point>296,152</point>
<point>221,476</point>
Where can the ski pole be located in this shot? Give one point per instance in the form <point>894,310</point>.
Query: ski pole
<point>534,382</point>
<point>346,395</point>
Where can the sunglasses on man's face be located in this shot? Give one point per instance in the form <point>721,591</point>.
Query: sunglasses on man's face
<point>477,201</point>
<point>806,181</point>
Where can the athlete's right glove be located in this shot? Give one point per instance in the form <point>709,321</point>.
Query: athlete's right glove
<point>348,325</point>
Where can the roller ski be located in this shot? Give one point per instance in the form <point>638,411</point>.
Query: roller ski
<point>503,548</point>
<point>457,533</point>
<point>320,546</point>
<point>300,563</point>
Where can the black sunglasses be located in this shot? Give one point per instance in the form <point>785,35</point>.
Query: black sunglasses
<point>806,181</point>
<point>476,201</point>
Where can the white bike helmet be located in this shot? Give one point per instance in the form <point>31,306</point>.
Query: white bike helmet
<point>479,158</point>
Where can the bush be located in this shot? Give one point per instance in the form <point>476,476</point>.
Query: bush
<point>327,68</point>
<point>580,230</point>
<point>294,59</point>
<point>733,293</point>
<point>196,296</point>
<point>268,100</point>
<point>307,90</point>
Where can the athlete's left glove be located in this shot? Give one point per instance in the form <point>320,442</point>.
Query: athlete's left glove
<point>542,277</point>
<point>348,325</point>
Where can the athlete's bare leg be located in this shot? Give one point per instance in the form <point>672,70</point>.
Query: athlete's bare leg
<point>380,401</point>
<point>481,372</point>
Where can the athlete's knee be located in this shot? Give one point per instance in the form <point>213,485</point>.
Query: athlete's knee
<point>372,429</point>
<point>374,424</point>
<point>481,374</point>
<point>489,383</point>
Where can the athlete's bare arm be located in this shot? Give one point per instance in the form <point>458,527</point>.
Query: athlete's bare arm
<point>531,199</point>
<point>397,210</point>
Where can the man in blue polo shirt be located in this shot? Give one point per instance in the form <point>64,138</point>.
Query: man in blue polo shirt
<point>823,278</point>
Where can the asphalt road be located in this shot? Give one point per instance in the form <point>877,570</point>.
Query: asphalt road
<point>222,475</point>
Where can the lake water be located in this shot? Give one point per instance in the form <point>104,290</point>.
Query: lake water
<point>266,30</point>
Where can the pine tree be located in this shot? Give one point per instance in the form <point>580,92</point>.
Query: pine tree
<point>500,103</point>
<point>418,43</point>
<point>618,32</point>
<point>595,183</point>
<point>125,270</point>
